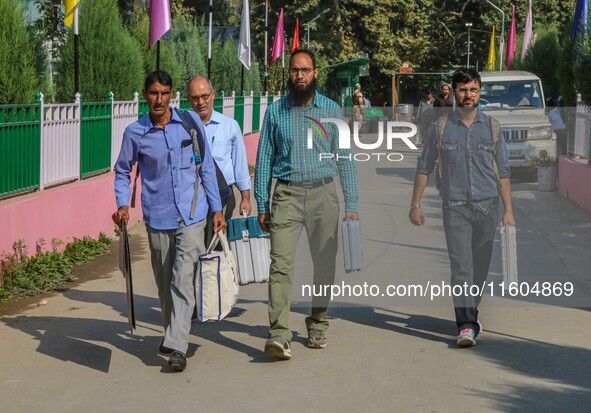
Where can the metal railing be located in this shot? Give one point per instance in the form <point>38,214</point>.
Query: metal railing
<point>19,148</point>
<point>43,145</point>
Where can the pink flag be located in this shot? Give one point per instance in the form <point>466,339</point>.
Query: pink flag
<point>278,42</point>
<point>527,34</point>
<point>512,42</point>
<point>160,21</point>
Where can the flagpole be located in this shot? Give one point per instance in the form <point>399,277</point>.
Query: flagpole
<point>242,79</point>
<point>283,70</point>
<point>209,39</point>
<point>158,55</point>
<point>266,75</point>
<point>76,66</point>
<point>502,42</point>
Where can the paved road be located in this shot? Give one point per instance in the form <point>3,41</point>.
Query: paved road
<point>385,354</point>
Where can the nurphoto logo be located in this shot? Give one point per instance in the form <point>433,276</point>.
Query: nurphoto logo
<point>391,130</point>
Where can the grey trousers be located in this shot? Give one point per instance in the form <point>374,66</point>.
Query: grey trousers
<point>470,236</point>
<point>174,253</point>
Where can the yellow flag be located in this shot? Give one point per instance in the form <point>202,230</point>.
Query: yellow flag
<point>490,63</point>
<point>70,6</point>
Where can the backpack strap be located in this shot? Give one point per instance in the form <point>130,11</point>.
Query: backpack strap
<point>195,133</point>
<point>495,131</point>
<point>441,125</point>
<point>190,125</point>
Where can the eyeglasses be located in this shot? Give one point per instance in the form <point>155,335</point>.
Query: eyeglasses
<point>465,90</point>
<point>305,71</point>
<point>203,97</point>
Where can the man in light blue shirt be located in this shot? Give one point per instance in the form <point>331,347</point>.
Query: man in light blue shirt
<point>163,150</point>
<point>226,144</point>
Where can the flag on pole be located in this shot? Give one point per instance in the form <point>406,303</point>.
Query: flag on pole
<point>527,34</point>
<point>70,6</point>
<point>244,39</point>
<point>581,16</point>
<point>278,41</point>
<point>160,21</point>
<point>490,62</point>
<point>295,43</point>
<point>512,46</point>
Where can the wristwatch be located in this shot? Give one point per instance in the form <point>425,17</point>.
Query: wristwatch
<point>415,206</point>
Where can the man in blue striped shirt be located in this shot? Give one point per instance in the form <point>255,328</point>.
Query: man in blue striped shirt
<point>304,197</point>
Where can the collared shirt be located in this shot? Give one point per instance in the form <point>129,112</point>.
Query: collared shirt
<point>283,149</point>
<point>227,146</point>
<point>168,171</point>
<point>467,154</point>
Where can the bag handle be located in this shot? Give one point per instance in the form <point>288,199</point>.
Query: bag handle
<point>223,239</point>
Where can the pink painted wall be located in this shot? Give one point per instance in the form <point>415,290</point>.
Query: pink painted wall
<point>64,212</point>
<point>574,181</point>
<point>252,143</point>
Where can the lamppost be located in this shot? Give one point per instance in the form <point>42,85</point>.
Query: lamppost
<point>312,21</point>
<point>469,26</point>
<point>502,35</point>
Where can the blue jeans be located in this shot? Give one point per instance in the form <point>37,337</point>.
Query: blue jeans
<point>469,234</point>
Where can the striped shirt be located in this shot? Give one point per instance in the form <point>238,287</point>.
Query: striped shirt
<point>283,151</point>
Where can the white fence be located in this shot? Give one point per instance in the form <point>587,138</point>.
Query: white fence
<point>582,131</point>
<point>60,143</point>
<point>124,114</point>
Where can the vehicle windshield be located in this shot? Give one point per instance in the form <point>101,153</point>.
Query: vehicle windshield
<point>521,94</point>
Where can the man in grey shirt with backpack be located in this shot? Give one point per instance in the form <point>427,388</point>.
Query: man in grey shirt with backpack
<point>470,158</point>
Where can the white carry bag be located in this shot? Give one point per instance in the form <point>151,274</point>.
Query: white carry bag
<point>251,247</point>
<point>351,232</point>
<point>216,284</point>
<point>509,254</point>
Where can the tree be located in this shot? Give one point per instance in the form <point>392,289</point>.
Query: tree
<point>187,41</point>
<point>545,49</point>
<point>110,60</point>
<point>19,65</point>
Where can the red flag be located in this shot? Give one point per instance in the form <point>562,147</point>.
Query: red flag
<point>295,43</point>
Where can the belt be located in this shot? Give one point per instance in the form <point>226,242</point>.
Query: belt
<point>306,184</point>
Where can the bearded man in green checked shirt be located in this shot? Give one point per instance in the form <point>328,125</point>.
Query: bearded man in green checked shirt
<point>304,197</point>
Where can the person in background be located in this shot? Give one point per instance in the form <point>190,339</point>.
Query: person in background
<point>226,144</point>
<point>424,116</point>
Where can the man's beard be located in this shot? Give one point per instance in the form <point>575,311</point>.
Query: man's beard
<point>467,108</point>
<point>301,95</point>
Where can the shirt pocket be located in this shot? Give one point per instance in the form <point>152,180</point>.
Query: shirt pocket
<point>450,151</point>
<point>220,150</point>
<point>485,152</point>
<point>186,156</point>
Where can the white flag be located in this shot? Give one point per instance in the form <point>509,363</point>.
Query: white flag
<point>527,33</point>
<point>244,40</point>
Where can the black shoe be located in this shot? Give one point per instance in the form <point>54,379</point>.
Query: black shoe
<point>177,361</point>
<point>165,350</point>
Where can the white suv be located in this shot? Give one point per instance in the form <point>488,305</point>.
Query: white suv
<point>516,100</point>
